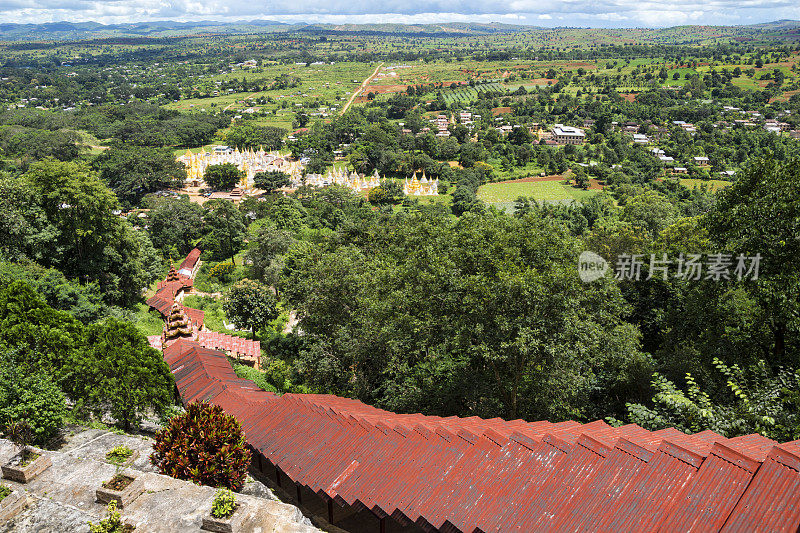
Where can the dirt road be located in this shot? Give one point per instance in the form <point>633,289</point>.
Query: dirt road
<point>361,88</point>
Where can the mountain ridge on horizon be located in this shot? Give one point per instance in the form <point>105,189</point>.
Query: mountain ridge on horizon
<point>66,30</point>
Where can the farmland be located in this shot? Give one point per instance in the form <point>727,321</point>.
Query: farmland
<point>713,185</point>
<point>465,95</point>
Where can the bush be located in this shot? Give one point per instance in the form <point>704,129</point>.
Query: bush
<point>4,491</point>
<point>118,455</point>
<point>221,271</point>
<point>112,523</point>
<point>203,445</point>
<point>34,400</point>
<point>224,504</point>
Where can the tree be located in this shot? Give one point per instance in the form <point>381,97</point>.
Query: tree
<point>470,154</point>
<point>224,176</point>
<point>251,305</point>
<point>29,143</point>
<point>225,228</point>
<point>39,338</point>
<point>84,302</point>
<point>24,228</point>
<point>758,401</point>
<point>581,179</point>
<point>119,372</point>
<point>464,199</point>
<point>74,215</point>
<point>390,192</point>
<point>760,214</point>
<point>264,254</point>
<point>478,315</point>
<point>33,399</point>
<point>270,181</point>
<point>176,224</point>
<point>134,171</point>
<point>203,445</point>
<point>255,137</point>
<point>650,211</point>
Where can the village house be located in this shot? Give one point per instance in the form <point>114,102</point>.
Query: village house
<point>568,134</point>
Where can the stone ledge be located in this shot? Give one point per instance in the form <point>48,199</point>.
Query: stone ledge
<point>62,499</point>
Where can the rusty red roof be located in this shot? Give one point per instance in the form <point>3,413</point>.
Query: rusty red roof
<point>468,474</point>
<point>188,264</point>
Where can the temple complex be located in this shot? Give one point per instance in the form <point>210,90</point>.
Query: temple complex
<point>176,326</point>
<point>421,187</point>
<point>251,162</point>
<point>187,323</point>
<point>353,181</point>
<point>248,161</point>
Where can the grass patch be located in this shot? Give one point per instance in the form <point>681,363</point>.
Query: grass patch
<point>118,455</point>
<point>549,191</point>
<point>148,321</point>
<point>256,376</point>
<point>713,185</point>
<point>207,283</point>
<point>214,314</point>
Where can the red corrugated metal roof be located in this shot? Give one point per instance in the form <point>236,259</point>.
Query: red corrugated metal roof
<point>490,475</point>
<point>713,492</point>
<point>772,499</point>
<point>191,260</point>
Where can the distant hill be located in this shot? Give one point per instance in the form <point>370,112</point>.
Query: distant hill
<point>95,30</point>
<point>450,28</point>
<point>777,30</point>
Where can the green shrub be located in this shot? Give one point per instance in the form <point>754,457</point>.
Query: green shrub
<point>256,376</point>
<point>221,271</point>
<point>224,504</point>
<point>4,491</point>
<point>112,523</point>
<point>34,400</point>
<point>203,445</point>
<point>118,455</point>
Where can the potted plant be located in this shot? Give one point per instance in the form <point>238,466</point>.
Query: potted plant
<point>123,488</point>
<point>28,462</point>
<point>121,456</point>
<point>11,502</point>
<point>226,514</point>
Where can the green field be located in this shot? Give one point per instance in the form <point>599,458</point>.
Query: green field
<point>549,191</point>
<point>714,185</point>
<point>465,95</point>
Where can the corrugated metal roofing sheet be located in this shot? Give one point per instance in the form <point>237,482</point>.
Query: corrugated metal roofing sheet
<point>491,475</point>
<point>772,499</point>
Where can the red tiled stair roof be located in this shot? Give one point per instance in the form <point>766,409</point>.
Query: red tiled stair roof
<point>472,474</point>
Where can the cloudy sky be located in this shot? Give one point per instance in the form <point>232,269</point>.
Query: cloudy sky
<point>597,13</point>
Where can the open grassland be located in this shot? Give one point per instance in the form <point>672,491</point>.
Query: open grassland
<point>550,191</point>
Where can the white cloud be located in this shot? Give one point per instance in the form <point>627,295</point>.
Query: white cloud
<point>648,13</point>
